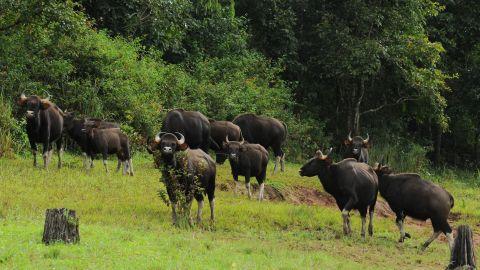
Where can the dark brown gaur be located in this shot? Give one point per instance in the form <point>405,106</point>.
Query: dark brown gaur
<point>357,148</point>
<point>182,165</point>
<point>44,125</point>
<point>354,185</point>
<point>249,160</point>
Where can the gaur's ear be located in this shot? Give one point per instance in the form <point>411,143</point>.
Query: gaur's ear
<point>45,103</point>
<point>22,100</point>
<point>183,146</point>
<point>367,145</point>
<point>347,142</point>
<point>224,144</point>
<point>149,149</point>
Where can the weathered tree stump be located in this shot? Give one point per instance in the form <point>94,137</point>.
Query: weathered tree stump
<point>463,256</point>
<point>61,225</point>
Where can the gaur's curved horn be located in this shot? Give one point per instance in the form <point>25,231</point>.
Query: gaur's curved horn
<point>367,139</point>
<point>350,137</point>
<point>182,138</point>
<point>158,137</point>
<point>243,139</point>
<point>226,139</point>
<point>329,152</point>
<point>319,154</point>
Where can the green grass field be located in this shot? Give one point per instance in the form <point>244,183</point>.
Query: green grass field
<point>125,225</point>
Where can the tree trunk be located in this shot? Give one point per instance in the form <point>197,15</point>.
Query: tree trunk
<point>61,225</point>
<point>357,104</point>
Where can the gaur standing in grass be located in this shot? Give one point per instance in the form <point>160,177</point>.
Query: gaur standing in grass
<point>44,125</point>
<point>188,173</point>
<point>248,160</point>
<point>410,195</point>
<point>354,185</point>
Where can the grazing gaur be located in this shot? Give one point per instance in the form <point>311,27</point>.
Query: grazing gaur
<point>186,172</point>
<point>44,125</point>
<point>76,130</point>
<point>192,124</point>
<point>408,194</point>
<point>110,141</point>
<point>219,130</point>
<point>266,131</point>
<point>249,160</point>
<point>354,185</point>
<point>357,148</point>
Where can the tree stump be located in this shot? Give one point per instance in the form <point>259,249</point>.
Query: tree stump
<point>61,225</point>
<point>463,251</point>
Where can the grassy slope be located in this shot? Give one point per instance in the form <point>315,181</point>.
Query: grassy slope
<point>123,224</point>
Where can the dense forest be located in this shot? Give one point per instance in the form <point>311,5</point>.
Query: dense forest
<point>405,72</point>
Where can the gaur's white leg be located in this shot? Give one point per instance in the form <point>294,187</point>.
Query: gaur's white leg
<point>130,166</point>
<point>277,160</point>
<point>282,163</point>
<point>91,162</point>
<point>174,213</point>
<point>364,221</point>
<point>85,160</point>
<point>105,165</point>
<point>370,223</point>
<point>60,154</point>
<point>260,194</point>
<point>212,209</point>
<point>247,185</point>
<point>450,240</point>
<point>45,160</point>
<point>346,222</point>
<point>125,167</point>
<point>199,212</point>
<point>119,164</point>
<point>430,240</point>
<point>402,230</point>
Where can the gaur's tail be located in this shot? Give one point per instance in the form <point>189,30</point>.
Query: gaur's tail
<point>452,201</point>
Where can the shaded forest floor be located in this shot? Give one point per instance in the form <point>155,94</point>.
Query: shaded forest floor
<point>125,225</point>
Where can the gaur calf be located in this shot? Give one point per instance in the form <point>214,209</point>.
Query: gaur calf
<point>357,148</point>
<point>219,130</point>
<point>408,194</point>
<point>189,173</point>
<point>266,131</point>
<point>249,160</point>
<point>107,142</point>
<point>354,185</point>
<point>76,128</point>
<point>44,125</point>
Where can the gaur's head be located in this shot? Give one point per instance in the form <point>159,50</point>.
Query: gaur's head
<point>33,104</point>
<point>316,164</point>
<point>68,120</point>
<point>167,144</point>
<point>381,169</point>
<point>233,148</point>
<point>356,144</point>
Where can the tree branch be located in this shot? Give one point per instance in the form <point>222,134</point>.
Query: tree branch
<point>398,101</point>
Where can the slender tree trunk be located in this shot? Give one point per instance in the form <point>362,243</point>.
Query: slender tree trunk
<point>357,105</point>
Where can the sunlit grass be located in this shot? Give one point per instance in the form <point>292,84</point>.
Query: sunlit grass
<point>124,224</point>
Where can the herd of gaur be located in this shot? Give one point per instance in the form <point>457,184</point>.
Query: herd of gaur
<point>185,138</point>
